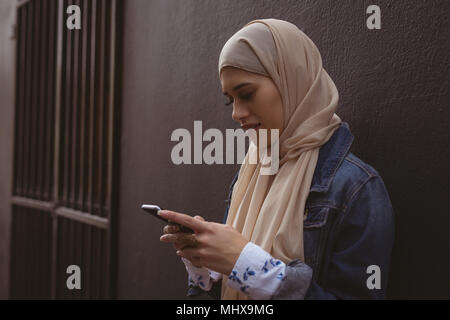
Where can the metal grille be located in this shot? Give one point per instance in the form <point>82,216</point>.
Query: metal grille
<point>65,149</point>
<point>32,238</point>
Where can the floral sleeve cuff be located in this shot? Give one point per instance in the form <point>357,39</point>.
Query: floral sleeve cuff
<point>201,277</point>
<point>256,273</point>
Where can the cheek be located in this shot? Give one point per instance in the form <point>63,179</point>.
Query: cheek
<point>277,105</point>
<point>272,108</point>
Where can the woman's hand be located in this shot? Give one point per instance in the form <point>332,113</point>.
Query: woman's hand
<point>179,239</point>
<point>217,246</point>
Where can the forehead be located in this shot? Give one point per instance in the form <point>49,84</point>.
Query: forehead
<point>230,76</point>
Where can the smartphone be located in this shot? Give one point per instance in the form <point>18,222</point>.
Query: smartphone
<point>153,210</point>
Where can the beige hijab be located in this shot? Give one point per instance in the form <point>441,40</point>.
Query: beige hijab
<point>268,210</point>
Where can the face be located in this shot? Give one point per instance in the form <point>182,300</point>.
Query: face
<point>255,100</point>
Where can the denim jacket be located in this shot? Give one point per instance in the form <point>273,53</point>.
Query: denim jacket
<point>349,229</point>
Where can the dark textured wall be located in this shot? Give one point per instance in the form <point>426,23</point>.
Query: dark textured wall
<point>394,93</point>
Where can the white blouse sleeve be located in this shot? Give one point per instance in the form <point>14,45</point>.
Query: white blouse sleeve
<point>256,273</point>
<point>202,277</point>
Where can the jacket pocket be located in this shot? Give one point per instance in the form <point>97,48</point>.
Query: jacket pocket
<point>315,217</point>
<point>315,230</point>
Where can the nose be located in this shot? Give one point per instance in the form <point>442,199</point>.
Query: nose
<point>239,112</point>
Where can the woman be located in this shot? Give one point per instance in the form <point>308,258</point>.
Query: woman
<point>321,227</point>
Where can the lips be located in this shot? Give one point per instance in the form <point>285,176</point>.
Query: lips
<point>254,126</point>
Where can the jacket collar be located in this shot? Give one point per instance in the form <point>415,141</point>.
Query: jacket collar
<point>330,158</point>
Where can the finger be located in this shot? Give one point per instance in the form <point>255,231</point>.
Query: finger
<point>184,219</point>
<point>189,253</point>
<point>179,238</point>
<point>180,246</point>
<point>170,229</point>
<point>199,218</point>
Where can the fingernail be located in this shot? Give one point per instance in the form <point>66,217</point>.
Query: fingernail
<point>164,237</point>
<point>162,213</point>
<point>178,252</point>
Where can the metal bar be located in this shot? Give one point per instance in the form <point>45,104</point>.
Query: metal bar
<point>20,137</point>
<point>22,91</point>
<point>102,259</point>
<point>31,252</point>
<point>26,270</point>
<point>110,247</point>
<point>51,104</point>
<point>19,50</point>
<point>67,113</point>
<point>58,100</point>
<point>27,90</point>
<point>48,248</point>
<point>112,104</point>
<point>33,203</point>
<point>69,252</point>
<point>49,158</point>
<point>35,107</point>
<point>41,273</point>
<point>100,54</point>
<point>35,259</point>
<point>14,251</point>
<point>63,235</point>
<point>84,271</point>
<point>77,251</point>
<point>19,267</point>
<point>43,104</point>
<point>14,254</point>
<point>88,261</point>
<point>91,108</point>
<point>75,110</point>
<point>54,256</point>
<point>101,104</point>
<point>26,252</point>
<point>90,219</point>
<point>84,101</point>
<point>92,105</point>
<point>26,255</point>
<point>22,228</point>
<point>95,266</point>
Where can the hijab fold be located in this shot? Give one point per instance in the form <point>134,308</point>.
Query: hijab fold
<point>268,210</point>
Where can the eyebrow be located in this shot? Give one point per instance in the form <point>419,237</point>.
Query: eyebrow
<point>239,86</point>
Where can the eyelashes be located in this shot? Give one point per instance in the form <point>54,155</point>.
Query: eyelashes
<point>245,97</point>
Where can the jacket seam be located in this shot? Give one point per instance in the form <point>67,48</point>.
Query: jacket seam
<point>370,174</point>
<point>350,202</point>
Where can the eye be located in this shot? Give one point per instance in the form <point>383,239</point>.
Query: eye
<point>246,96</point>
<point>229,102</point>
